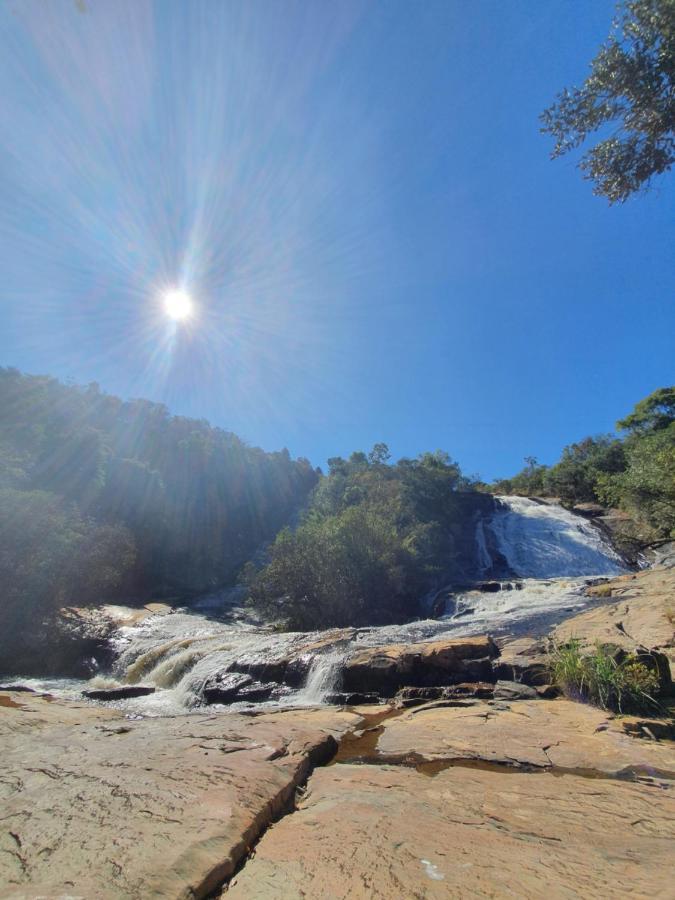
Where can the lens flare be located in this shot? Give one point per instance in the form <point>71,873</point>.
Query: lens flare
<point>178,305</point>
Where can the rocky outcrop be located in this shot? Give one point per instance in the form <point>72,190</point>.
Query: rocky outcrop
<point>463,802</point>
<point>641,614</point>
<point>384,670</point>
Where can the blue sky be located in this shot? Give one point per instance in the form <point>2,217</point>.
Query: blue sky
<point>359,201</point>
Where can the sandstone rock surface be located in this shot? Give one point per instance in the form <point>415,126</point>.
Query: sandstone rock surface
<point>390,832</point>
<point>484,801</point>
<point>386,669</point>
<point>643,614</point>
<point>98,806</point>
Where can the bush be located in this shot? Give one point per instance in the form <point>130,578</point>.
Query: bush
<point>605,678</point>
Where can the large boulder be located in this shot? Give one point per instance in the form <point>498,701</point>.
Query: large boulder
<point>384,670</point>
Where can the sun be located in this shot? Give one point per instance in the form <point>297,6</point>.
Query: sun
<point>178,305</point>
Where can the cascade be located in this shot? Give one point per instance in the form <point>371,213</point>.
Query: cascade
<point>543,540</point>
<point>322,679</point>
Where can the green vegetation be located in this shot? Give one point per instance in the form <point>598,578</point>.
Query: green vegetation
<point>102,498</point>
<point>630,90</point>
<point>607,678</point>
<point>374,539</point>
<point>635,473</point>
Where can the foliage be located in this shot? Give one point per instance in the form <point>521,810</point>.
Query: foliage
<point>654,413</point>
<point>605,678</point>
<point>575,478</point>
<point>631,89</point>
<point>52,556</point>
<point>646,487</point>
<point>197,501</point>
<point>529,482</point>
<point>635,473</point>
<point>374,538</point>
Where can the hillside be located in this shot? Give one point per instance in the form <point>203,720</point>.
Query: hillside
<point>102,498</point>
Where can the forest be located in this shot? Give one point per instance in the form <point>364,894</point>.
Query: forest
<point>102,499</point>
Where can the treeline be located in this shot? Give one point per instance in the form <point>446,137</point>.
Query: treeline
<point>102,498</point>
<point>634,472</point>
<point>373,540</point>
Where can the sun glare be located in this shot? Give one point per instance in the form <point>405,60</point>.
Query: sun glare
<point>177,305</point>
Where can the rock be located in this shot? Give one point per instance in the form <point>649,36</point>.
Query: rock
<point>557,733</point>
<point>353,699</point>
<point>548,691</point>
<point>489,587</point>
<point>460,819</point>
<point>589,510</point>
<point>642,615</point>
<point>18,688</point>
<point>410,696</point>
<point>98,806</point>
<point>224,687</point>
<point>74,642</point>
<point>124,692</point>
<point>663,555</point>
<point>384,670</point>
<point>525,660</point>
<point>512,690</point>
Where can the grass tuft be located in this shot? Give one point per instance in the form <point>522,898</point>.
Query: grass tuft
<point>606,678</point>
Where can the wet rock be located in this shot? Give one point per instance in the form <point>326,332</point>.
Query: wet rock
<point>295,672</point>
<point>410,696</point>
<point>257,692</point>
<point>224,687</point>
<point>512,690</point>
<point>489,587</point>
<point>384,670</point>
<point>353,699</point>
<point>261,669</point>
<point>124,692</point>
<point>17,688</point>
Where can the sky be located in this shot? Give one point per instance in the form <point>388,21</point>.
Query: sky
<point>359,202</point>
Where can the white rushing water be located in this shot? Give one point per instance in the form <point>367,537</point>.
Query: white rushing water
<point>550,551</point>
<point>322,679</point>
<point>543,540</point>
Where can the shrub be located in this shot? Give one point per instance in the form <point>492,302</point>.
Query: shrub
<point>605,678</point>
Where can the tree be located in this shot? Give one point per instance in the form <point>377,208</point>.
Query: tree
<point>631,89</point>
<point>655,412</point>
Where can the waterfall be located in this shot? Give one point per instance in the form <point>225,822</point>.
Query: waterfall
<point>322,678</point>
<point>543,540</point>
